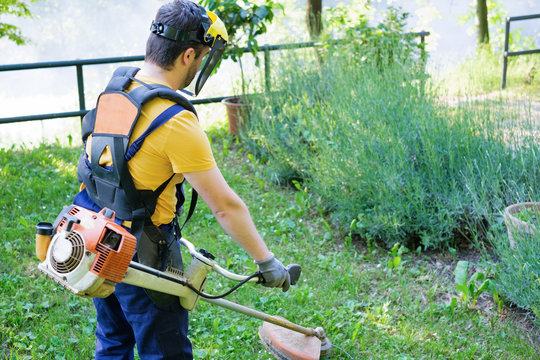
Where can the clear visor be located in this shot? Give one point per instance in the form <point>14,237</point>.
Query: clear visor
<point>211,61</point>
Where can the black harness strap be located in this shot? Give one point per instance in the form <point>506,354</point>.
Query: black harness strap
<point>192,204</point>
<point>113,187</point>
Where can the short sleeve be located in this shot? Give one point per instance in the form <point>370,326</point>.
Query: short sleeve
<point>187,145</point>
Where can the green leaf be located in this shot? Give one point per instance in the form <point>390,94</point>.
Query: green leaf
<point>395,249</point>
<point>353,225</point>
<point>262,12</point>
<point>477,276</point>
<point>23,221</point>
<point>485,286</point>
<point>461,272</point>
<point>299,198</point>
<point>464,289</point>
<point>471,289</point>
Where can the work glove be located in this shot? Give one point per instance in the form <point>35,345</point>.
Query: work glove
<point>274,273</point>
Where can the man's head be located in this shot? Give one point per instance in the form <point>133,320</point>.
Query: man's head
<point>183,32</point>
<point>183,15</point>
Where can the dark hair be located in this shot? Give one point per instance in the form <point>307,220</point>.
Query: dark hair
<point>180,14</point>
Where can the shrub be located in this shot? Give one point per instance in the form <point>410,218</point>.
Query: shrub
<point>381,45</point>
<point>518,271</point>
<point>374,145</point>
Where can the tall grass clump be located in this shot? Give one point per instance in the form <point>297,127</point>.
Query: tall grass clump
<point>518,271</point>
<point>369,140</point>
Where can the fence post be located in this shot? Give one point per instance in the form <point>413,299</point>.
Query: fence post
<point>267,69</point>
<point>423,48</point>
<point>505,53</point>
<point>80,85</point>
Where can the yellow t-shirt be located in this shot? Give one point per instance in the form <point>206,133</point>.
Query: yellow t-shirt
<point>178,146</point>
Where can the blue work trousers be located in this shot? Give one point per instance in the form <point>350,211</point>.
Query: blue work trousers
<point>129,317</point>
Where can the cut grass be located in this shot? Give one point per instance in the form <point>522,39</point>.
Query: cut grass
<point>365,307</point>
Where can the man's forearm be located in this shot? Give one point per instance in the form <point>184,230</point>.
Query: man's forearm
<point>230,211</point>
<point>238,224</point>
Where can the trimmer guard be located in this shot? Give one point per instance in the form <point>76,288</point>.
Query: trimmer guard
<point>287,344</point>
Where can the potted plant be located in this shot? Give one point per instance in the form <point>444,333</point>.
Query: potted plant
<point>522,220</point>
<point>244,20</point>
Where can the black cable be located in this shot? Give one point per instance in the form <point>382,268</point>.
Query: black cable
<point>234,288</point>
<point>166,276</point>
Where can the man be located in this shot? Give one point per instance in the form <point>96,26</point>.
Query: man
<point>182,35</point>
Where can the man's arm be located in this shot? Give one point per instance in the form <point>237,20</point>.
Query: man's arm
<point>230,211</point>
<point>233,216</point>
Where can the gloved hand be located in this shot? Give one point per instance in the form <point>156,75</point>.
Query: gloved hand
<point>274,273</point>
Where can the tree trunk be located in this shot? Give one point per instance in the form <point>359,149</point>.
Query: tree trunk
<point>313,18</point>
<point>481,14</point>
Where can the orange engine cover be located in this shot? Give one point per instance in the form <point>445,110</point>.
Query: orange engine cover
<point>113,244</point>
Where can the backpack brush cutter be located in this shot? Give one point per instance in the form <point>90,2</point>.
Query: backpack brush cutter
<point>88,254</point>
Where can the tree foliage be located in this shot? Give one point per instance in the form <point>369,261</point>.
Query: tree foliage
<point>244,21</point>
<point>14,8</point>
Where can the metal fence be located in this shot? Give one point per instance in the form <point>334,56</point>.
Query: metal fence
<point>506,53</point>
<point>79,64</point>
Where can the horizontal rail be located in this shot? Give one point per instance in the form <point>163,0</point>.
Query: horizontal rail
<point>522,52</point>
<point>523,17</point>
<point>43,116</point>
<point>78,64</point>
<point>66,63</point>
<point>109,60</point>
<point>84,112</point>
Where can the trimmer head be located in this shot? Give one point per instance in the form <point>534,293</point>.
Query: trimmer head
<point>287,344</point>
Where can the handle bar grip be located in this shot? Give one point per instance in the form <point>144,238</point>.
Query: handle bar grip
<point>294,271</point>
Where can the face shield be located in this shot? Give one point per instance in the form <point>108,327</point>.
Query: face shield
<point>211,33</point>
<point>216,37</point>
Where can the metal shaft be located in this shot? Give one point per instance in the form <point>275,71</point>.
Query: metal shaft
<point>276,320</point>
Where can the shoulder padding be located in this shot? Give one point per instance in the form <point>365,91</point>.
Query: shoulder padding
<point>122,78</point>
<point>145,93</point>
<point>120,82</point>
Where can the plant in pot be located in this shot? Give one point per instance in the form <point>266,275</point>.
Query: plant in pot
<point>244,21</point>
<point>522,221</point>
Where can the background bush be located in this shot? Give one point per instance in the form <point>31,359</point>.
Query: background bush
<point>518,269</point>
<point>373,144</point>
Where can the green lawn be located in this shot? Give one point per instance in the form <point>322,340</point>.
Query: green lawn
<point>367,307</point>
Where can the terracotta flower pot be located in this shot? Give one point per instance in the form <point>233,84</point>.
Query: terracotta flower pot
<point>515,226</point>
<point>237,113</point>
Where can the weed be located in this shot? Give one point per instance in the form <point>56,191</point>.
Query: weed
<point>301,198</point>
<point>395,256</point>
<point>471,288</point>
